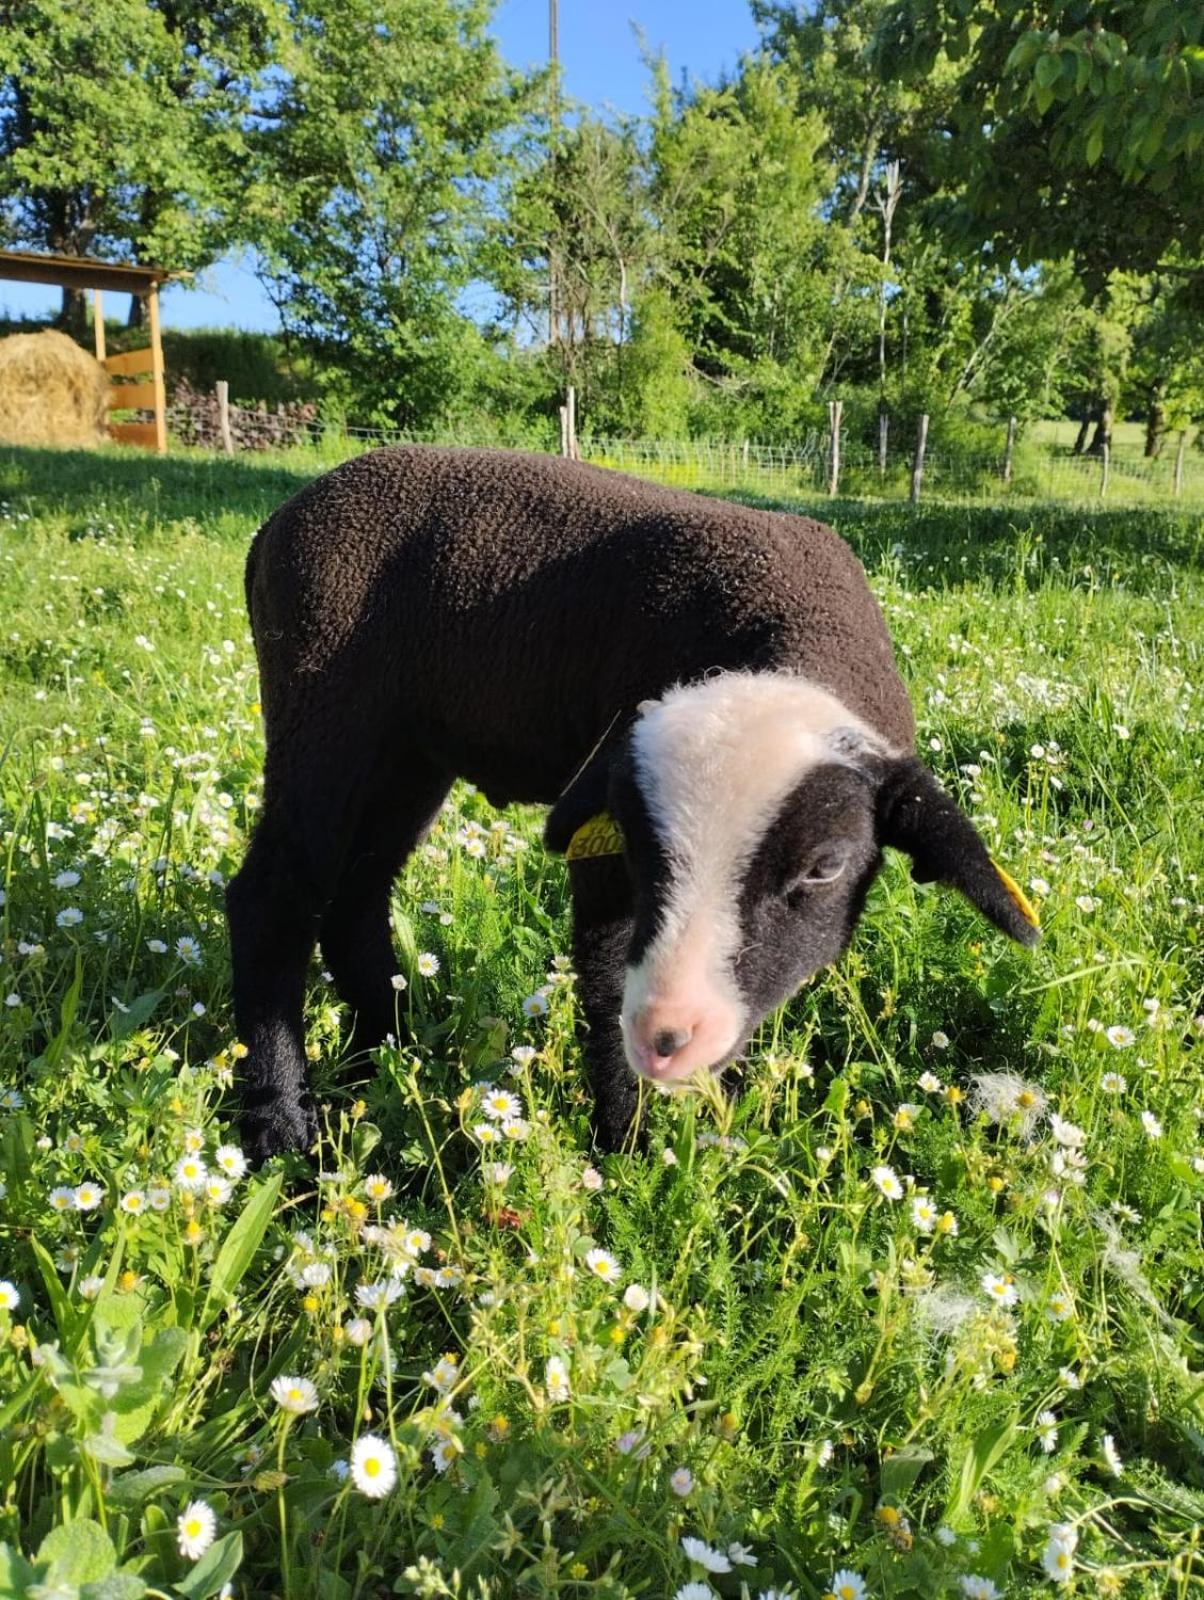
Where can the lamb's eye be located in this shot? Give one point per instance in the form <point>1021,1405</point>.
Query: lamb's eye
<point>824,867</point>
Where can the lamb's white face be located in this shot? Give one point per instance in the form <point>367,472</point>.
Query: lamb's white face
<point>715,764</point>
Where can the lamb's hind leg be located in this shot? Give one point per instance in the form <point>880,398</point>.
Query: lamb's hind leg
<point>274,907</point>
<point>405,795</point>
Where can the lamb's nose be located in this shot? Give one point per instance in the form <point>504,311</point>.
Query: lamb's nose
<point>669,1040</point>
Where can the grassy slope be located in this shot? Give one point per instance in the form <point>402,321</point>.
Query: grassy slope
<point>836,1380</point>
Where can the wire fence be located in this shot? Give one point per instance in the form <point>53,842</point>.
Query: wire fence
<point>1036,472</point>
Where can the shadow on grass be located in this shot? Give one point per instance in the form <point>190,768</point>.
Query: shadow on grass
<point>142,492</point>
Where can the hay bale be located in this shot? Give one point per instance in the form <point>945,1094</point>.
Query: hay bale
<point>51,391</point>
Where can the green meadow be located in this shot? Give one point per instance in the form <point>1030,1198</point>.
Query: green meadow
<point>919,1312</point>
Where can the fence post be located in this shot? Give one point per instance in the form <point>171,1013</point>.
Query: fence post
<point>1179,454</point>
<point>564,430</point>
<point>835,408</point>
<point>223,416</point>
<point>917,469</point>
<point>571,423</point>
<point>883,439</point>
<point>1008,450</point>
<point>1105,459</point>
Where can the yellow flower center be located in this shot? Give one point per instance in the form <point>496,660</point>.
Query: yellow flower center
<point>371,1466</point>
<point>192,1527</point>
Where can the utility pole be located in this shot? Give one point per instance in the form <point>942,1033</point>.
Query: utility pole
<point>554,63</point>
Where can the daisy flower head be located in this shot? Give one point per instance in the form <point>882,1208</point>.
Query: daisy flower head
<point>523,1055</point>
<point>88,1196</point>
<point>592,1180</point>
<point>535,1005</point>
<point>636,1297</point>
<point>501,1106</point>
<point>930,1083</point>
<point>603,1265</point>
<point>923,1214</point>
<point>133,1203</point>
<point>444,1374</point>
<point>217,1189</point>
<point>428,964</point>
<point>65,880</point>
<point>940,1040</point>
<point>296,1395</point>
<point>847,1585</point>
<point>1114,1083</point>
<point>1118,1037</point>
<point>69,917</point>
<point>358,1331</point>
<point>190,1173</point>
<point>90,1287</point>
<point>976,1588</point>
<point>373,1466</point>
<point>378,1188</point>
<point>887,1182</point>
<point>1058,1560</point>
<point>1047,1431</point>
<point>1111,1455</point>
<point>188,950</point>
<point>1151,1124</point>
<point>681,1481</point>
<point>10,1296</point>
<point>556,1379</point>
<point>196,1529</point>
<point>695,1590</point>
<point>62,1198</point>
<point>1000,1287</point>
<point>704,1555</point>
<point>1060,1307</point>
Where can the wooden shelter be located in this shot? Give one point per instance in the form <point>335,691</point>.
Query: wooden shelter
<point>137,376</point>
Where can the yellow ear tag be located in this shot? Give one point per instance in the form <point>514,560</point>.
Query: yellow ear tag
<point>1018,897</point>
<point>598,836</point>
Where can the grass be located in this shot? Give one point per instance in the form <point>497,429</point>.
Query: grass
<point>995,1376</point>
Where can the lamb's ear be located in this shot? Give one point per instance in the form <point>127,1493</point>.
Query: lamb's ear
<point>915,814</point>
<point>584,798</point>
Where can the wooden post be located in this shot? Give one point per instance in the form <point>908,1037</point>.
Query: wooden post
<point>744,457</point>
<point>98,323</point>
<point>223,416</point>
<point>1105,460</point>
<point>883,439</point>
<point>1008,450</point>
<point>564,431</point>
<point>571,423</point>
<point>1179,454</point>
<point>157,374</point>
<point>917,469</point>
<point>835,408</point>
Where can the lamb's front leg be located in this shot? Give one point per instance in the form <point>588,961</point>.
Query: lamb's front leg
<point>602,930</point>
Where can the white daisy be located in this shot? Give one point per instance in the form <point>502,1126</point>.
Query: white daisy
<point>923,1214</point>
<point>1119,1038</point>
<point>603,1265</point>
<point>88,1196</point>
<point>556,1379</point>
<point>636,1297</point>
<point>133,1203</point>
<point>887,1182</point>
<point>297,1395</point>
<point>428,964</point>
<point>1151,1125</point>
<point>1111,1456</point>
<point>373,1466</point>
<point>377,1187</point>
<point>231,1160</point>
<point>681,1481</point>
<point>1000,1288</point>
<point>196,1529</point>
<point>846,1585</point>
<point>10,1296</point>
<point>190,1174</point>
<point>500,1106</point>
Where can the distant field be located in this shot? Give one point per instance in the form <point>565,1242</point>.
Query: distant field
<point>929,1290</point>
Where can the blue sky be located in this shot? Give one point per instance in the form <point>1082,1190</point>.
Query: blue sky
<point>600,59</point>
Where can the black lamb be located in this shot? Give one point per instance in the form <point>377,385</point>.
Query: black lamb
<point>704,693</point>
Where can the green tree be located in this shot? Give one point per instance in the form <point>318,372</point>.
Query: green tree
<point>1078,124</point>
<point>123,127</point>
<point>387,145</point>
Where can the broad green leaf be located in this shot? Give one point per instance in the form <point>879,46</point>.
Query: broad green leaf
<point>238,1250</point>
<point>981,1457</point>
<point>77,1552</point>
<point>900,1471</point>
<point>131,1488</point>
<point>65,1315</point>
<point>117,1586</point>
<point>135,1015</point>
<point>215,1568</point>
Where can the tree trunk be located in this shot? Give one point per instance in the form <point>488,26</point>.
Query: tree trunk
<point>137,316</point>
<point>1103,430</point>
<point>73,313</point>
<point>1155,424</point>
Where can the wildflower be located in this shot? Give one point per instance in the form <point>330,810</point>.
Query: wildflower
<point>297,1395</point>
<point>1119,1038</point>
<point>1070,1378</point>
<point>133,1203</point>
<point>523,1055</point>
<point>976,1588</point>
<point>1047,1431</point>
<point>923,1214</point>
<point>1058,1557</point>
<point>373,1466</point>
<point>1000,1287</point>
<point>188,950</point>
<point>194,1140</point>
<point>556,1379</point>
<point>88,1196</point>
<point>499,1172</point>
<point>535,1005</point>
<point>1060,1307</point>
<point>377,1187</point>
<point>1003,1097</point>
<point>1066,1133</point>
<point>905,1116</point>
<point>695,1591</point>
<point>196,1529</point>
<point>636,1297</point>
<point>704,1555</point>
<point>887,1182</point>
<point>376,1296</point>
<point>631,1442</point>
<point>945,1535</point>
<point>158,1197</point>
<point>217,1190</point>
<point>946,1225</point>
<point>10,1297</point>
<point>603,1265</point>
<point>1086,903</point>
<point>446,1372</point>
<point>91,1286</point>
<point>69,917</point>
<point>740,1555</point>
<point>358,1331</point>
<point>591,1180</point>
<point>156,947</point>
<point>231,1160</point>
<point>846,1585</point>
<point>444,1452</point>
<point>515,1128</point>
<point>417,1241</point>
<point>66,880</point>
<point>1111,1455</point>
<point>1113,1083</point>
<point>398,980</point>
<point>824,1451</point>
<point>940,1040</point>
<point>1151,1125</point>
<point>930,1083</point>
<point>500,1106</point>
<point>62,1198</point>
<point>428,964</point>
<point>681,1481</point>
<point>190,1174</point>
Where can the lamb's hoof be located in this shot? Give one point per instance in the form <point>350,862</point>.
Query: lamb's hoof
<point>277,1127</point>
